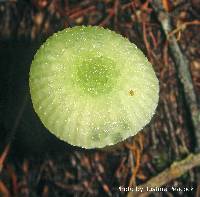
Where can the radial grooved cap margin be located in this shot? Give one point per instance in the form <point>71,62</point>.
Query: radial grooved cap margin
<point>92,87</point>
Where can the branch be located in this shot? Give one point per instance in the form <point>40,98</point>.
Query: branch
<point>174,171</point>
<point>182,68</point>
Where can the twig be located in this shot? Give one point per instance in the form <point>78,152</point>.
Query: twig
<point>4,190</point>
<point>174,171</point>
<point>110,15</point>
<point>11,135</point>
<point>3,156</point>
<point>116,11</point>
<point>17,120</point>
<point>82,12</point>
<point>183,27</point>
<point>171,128</point>
<point>145,38</point>
<point>182,67</point>
<point>14,179</point>
<point>136,149</point>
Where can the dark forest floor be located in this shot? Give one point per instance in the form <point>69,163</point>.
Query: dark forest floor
<point>38,168</point>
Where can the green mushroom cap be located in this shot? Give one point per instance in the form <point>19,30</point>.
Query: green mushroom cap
<point>92,87</point>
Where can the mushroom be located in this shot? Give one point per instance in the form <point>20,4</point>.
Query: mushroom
<point>91,87</point>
